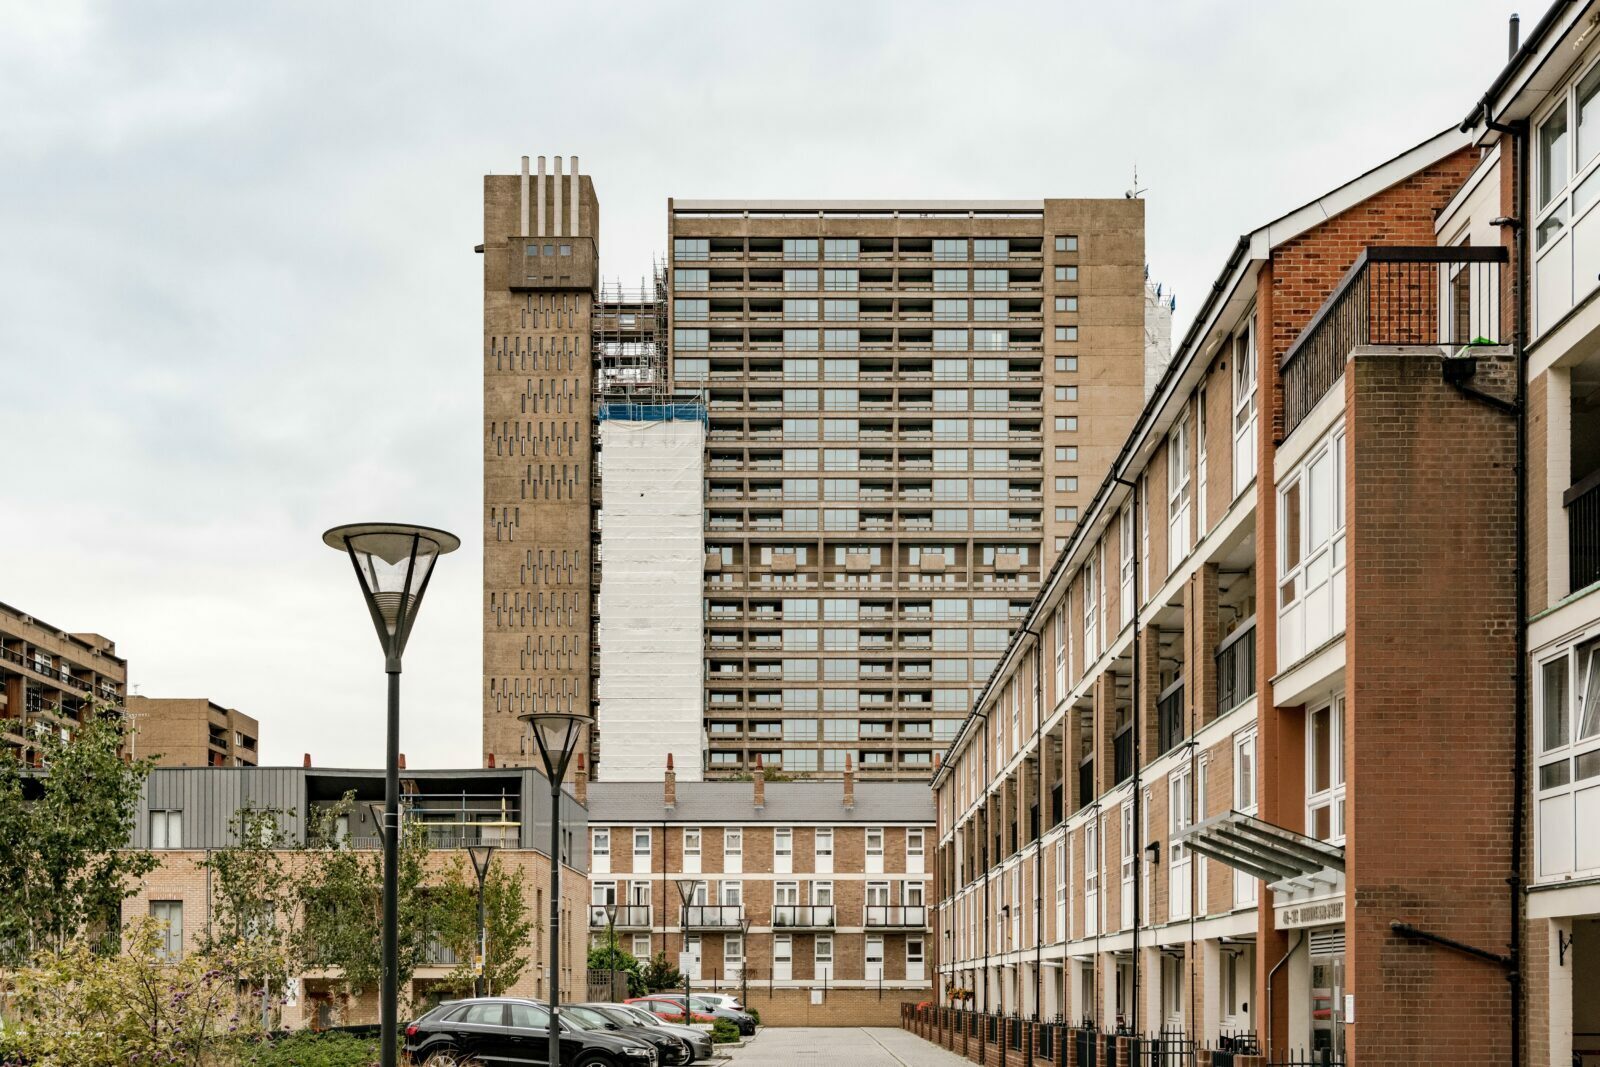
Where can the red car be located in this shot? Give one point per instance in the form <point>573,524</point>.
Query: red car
<point>667,1009</point>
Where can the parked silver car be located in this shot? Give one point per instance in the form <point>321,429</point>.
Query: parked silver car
<point>698,1040</point>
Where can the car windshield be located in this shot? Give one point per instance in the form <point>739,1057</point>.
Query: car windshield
<point>619,1016</point>
<point>588,1015</point>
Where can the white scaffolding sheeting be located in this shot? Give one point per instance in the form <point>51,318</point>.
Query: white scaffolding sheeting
<point>652,547</point>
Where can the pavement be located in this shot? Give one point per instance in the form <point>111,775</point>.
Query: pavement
<point>829,1046</point>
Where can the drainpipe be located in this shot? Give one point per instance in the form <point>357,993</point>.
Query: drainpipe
<point>1517,134</point>
<point>1138,790</point>
<point>1267,1018</point>
<point>1038,834</point>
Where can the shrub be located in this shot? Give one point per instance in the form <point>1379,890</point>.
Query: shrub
<point>723,1031</point>
<point>307,1049</point>
<point>754,1014</point>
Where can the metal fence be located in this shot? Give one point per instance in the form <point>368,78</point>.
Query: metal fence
<point>1395,296</point>
<point>1313,1057</point>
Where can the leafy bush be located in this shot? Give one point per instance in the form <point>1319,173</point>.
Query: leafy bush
<point>659,974</point>
<point>307,1049</point>
<point>754,1014</point>
<point>624,962</point>
<point>723,1031</point>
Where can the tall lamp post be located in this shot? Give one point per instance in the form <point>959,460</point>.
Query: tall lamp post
<point>393,564</point>
<point>686,887</point>
<point>556,733</point>
<point>611,946</point>
<point>482,856</point>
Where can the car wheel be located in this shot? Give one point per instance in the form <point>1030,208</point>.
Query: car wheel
<point>449,1057</point>
<point>595,1059</point>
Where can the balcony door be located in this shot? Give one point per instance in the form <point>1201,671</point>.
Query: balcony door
<point>782,957</point>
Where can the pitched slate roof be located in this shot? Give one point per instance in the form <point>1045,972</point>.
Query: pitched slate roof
<point>787,802</point>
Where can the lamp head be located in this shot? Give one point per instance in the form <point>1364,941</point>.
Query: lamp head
<point>556,734</point>
<point>482,856</point>
<point>393,562</point>
<point>686,887</point>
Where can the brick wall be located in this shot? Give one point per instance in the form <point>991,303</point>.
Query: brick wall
<point>1430,686</point>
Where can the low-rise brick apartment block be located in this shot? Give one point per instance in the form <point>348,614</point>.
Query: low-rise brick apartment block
<point>193,732</point>
<point>186,812</point>
<point>811,899</point>
<point>1249,757</point>
<point>51,677</point>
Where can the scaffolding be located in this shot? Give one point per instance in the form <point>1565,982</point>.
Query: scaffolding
<point>646,630</point>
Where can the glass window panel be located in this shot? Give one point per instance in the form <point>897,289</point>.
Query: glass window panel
<point>1555,702</point>
<point>1553,168</point>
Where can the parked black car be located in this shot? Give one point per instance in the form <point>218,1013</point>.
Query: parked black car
<point>501,1031</point>
<point>671,1050</point>
<point>698,1040</point>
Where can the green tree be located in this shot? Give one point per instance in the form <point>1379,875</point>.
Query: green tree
<point>254,905</point>
<point>65,827</point>
<point>81,1007</point>
<point>608,958</point>
<point>507,925</point>
<point>660,974</point>
<point>340,896</point>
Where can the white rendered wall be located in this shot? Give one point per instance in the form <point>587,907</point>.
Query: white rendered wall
<point>652,548</point>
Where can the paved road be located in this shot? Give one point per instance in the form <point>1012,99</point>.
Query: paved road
<point>833,1046</point>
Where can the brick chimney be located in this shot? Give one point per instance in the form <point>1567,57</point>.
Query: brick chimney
<point>761,784</point>
<point>849,784</point>
<point>669,797</point>
<point>307,761</point>
<point>489,761</point>
<point>580,782</point>
<point>402,765</point>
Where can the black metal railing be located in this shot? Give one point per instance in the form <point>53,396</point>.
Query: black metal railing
<point>713,916</point>
<point>1086,792</point>
<point>629,916</point>
<point>1170,1047</point>
<point>1395,296</point>
<point>1311,1057</point>
<point>1014,1031</point>
<point>900,915</point>
<point>1236,666</point>
<point>1169,717</point>
<point>1088,1048</point>
<point>1582,502</point>
<point>1122,751</point>
<point>802,916</point>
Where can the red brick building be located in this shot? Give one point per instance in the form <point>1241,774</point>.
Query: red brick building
<point>1247,766</point>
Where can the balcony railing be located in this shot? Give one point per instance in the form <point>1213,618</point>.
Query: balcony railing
<point>713,916</point>
<point>1394,296</point>
<point>1582,502</point>
<point>802,916</point>
<point>629,917</point>
<point>900,916</point>
<point>1169,717</point>
<point>1086,791</point>
<point>1236,666</point>
<point>1122,750</point>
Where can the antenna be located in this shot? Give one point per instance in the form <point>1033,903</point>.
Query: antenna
<point>1137,191</point>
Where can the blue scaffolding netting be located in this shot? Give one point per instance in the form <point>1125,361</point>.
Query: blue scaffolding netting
<point>624,411</point>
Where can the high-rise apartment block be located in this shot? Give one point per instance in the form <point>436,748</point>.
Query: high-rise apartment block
<point>910,402</point>
<point>906,405</point>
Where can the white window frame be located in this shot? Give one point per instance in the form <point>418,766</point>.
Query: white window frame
<point>1129,863</point>
<point>600,842</point>
<point>1332,797</point>
<point>1125,561</point>
<point>732,841</point>
<point>691,841</point>
<point>1091,611</point>
<point>1180,816</point>
<point>1201,467</point>
<point>1091,878</point>
<point>1563,836</point>
<point>1245,755</point>
<point>1244,404</point>
<point>1180,488</point>
<point>1311,589</point>
<point>166,828</point>
<point>1561,279</point>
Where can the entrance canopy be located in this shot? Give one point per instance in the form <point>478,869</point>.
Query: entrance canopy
<point>1282,858</point>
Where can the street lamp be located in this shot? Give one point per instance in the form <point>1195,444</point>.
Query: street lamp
<point>393,563</point>
<point>686,887</point>
<point>744,962</point>
<point>482,856</point>
<point>556,733</point>
<point>611,945</point>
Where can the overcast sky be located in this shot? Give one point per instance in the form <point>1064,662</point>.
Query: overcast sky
<point>239,302</point>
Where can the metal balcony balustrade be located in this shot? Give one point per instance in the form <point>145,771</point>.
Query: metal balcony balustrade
<point>713,916</point>
<point>803,916</point>
<point>1236,666</point>
<point>1122,754</point>
<point>1169,717</point>
<point>1395,296</point>
<point>629,917</point>
<point>1582,503</point>
<point>896,916</point>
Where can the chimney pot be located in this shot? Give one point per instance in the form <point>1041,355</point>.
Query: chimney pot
<point>402,761</point>
<point>307,761</point>
<point>490,763</point>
